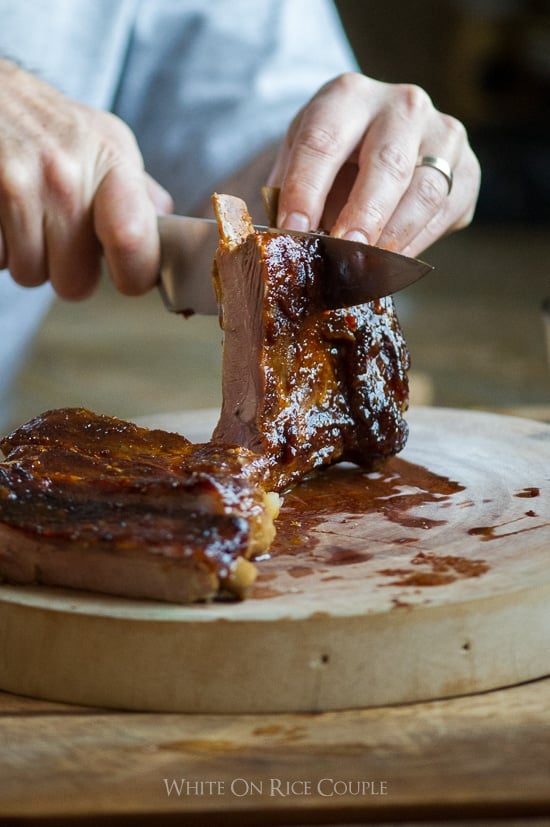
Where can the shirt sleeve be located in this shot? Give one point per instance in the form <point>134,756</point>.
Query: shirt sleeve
<point>207,86</point>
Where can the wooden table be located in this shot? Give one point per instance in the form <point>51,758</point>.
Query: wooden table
<point>482,757</point>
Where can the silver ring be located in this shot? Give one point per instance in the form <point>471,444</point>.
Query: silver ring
<point>441,165</point>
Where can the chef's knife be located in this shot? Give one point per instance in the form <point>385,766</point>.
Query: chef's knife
<point>357,272</point>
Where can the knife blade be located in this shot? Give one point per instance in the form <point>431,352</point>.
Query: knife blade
<point>358,272</point>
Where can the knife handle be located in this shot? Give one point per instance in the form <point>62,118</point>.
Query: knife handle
<point>270,198</point>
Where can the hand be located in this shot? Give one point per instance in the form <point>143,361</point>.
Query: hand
<point>349,166</point>
<point>72,188</point>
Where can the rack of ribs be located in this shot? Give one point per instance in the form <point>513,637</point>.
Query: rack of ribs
<point>93,502</point>
<point>97,503</point>
<point>302,387</point>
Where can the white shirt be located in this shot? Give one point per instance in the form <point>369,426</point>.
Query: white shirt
<point>204,84</point>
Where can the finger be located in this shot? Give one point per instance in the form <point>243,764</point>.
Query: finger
<point>73,254</point>
<point>429,199</point>
<point>323,139</point>
<point>21,219</point>
<point>125,223</point>
<point>458,210</point>
<point>386,162</point>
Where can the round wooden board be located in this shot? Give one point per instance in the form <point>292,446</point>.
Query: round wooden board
<point>439,584</point>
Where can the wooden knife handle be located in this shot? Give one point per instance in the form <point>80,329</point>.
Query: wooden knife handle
<point>270,198</point>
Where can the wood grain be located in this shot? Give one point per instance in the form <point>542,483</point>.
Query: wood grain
<point>484,755</point>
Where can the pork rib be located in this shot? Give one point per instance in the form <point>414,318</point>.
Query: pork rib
<point>93,502</point>
<point>303,387</point>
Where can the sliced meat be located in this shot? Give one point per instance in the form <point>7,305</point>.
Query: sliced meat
<point>94,502</point>
<point>302,387</point>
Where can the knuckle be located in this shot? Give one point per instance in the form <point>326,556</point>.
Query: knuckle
<point>61,180</point>
<point>373,216</point>
<point>346,83</point>
<point>126,239</point>
<point>16,181</point>
<point>413,99</point>
<point>392,236</point>
<point>51,176</point>
<point>432,189</point>
<point>300,188</point>
<point>391,158</point>
<point>454,128</point>
<point>319,141</point>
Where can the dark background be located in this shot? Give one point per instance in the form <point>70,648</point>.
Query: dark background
<point>488,63</point>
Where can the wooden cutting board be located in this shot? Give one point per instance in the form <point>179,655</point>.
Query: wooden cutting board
<point>427,579</point>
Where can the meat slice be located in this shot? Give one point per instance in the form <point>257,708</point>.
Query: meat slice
<point>94,502</point>
<point>302,387</point>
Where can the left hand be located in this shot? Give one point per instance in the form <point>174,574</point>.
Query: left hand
<point>348,165</point>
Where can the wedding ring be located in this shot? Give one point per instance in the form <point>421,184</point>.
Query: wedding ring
<point>441,165</point>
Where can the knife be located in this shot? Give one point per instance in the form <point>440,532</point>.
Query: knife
<point>358,272</point>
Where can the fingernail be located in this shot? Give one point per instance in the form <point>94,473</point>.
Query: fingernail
<point>295,221</point>
<point>356,235</point>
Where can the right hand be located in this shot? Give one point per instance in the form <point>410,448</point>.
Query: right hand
<point>72,188</point>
